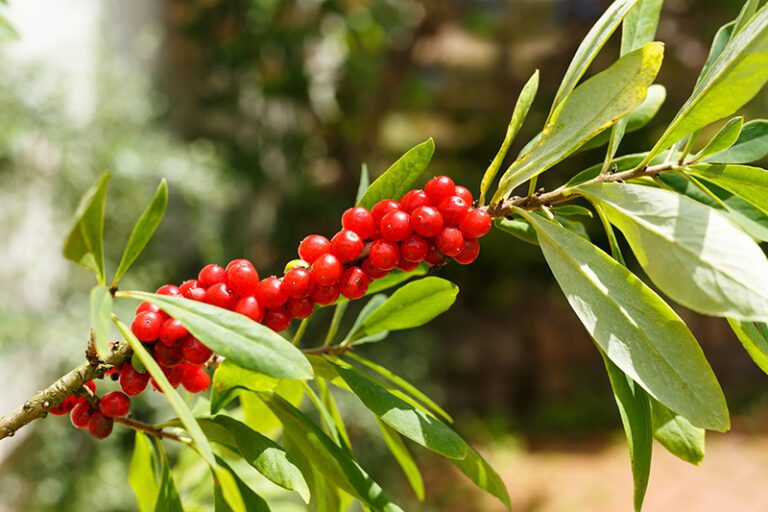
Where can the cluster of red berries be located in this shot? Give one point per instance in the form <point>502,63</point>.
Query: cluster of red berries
<point>98,421</point>
<point>429,225</point>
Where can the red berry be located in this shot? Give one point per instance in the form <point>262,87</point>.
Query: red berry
<point>439,188</point>
<point>211,274</point>
<point>470,251</point>
<point>464,193</point>
<point>297,283</point>
<point>277,319</point>
<point>450,241</point>
<point>325,295</point>
<point>371,271</point>
<point>434,256</point>
<point>243,278</point>
<point>240,261</point>
<point>221,295</point>
<point>453,209</point>
<point>407,266</point>
<point>270,293</point>
<point>250,307</point>
<point>413,199</point>
<point>346,245</point>
<point>80,415</point>
<point>354,283</point>
<point>65,406</point>
<point>384,254</point>
<point>300,308</point>
<point>312,247</point>
<point>168,289</point>
<point>359,220</point>
<point>414,248</point>
<point>167,356</point>
<point>115,404</point>
<point>99,425</point>
<point>382,208</point>
<point>90,385</point>
<point>145,307</point>
<point>146,326</point>
<point>427,221</point>
<point>173,374</point>
<point>194,351</point>
<point>326,270</point>
<point>192,290</point>
<point>195,379</point>
<point>172,331</point>
<point>131,381</point>
<point>476,223</point>
<point>396,226</point>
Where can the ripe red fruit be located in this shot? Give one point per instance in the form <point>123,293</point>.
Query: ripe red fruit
<point>413,199</point>
<point>464,193</point>
<point>115,404</point>
<point>354,283</point>
<point>168,289</point>
<point>453,209</point>
<point>270,293</point>
<point>131,381</point>
<point>414,248</point>
<point>476,223</point>
<point>300,308</point>
<point>297,283</point>
<point>326,270</point>
<point>450,241</point>
<point>277,319</point>
<point>427,221</point>
<point>211,274</point>
<point>250,307</point>
<point>371,271</point>
<point>312,247</point>
<point>384,254</point>
<point>359,220</point>
<point>346,245</point>
<point>194,351</point>
<point>439,188</point>
<point>173,374</point>
<point>192,289</point>
<point>146,326</point>
<point>172,331</point>
<point>407,266</point>
<point>221,295</point>
<point>99,425</point>
<point>325,295</point>
<point>382,208</point>
<point>145,307</point>
<point>167,356</point>
<point>396,226</point>
<point>242,278</point>
<point>240,261</point>
<point>195,379</point>
<point>80,415</point>
<point>434,256</point>
<point>470,251</point>
<point>65,406</point>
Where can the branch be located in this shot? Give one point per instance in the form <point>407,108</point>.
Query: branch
<point>149,429</point>
<point>68,385</point>
<point>329,349</point>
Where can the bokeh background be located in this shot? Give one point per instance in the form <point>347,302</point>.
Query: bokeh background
<point>260,113</point>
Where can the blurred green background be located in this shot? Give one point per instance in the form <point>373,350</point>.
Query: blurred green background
<point>260,113</point>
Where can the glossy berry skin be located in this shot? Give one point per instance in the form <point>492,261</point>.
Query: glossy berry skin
<point>99,425</point>
<point>476,223</point>
<point>413,199</point>
<point>250,307</point>
<point>384,254</point>
<point>346,245</point>
<point>464,193</point>
<point>211,274</point>
<point>194,351</point>
<point>359,220</point>
<point>173,375</point>
<point>65,406</point>
<point>325,295</point>
<point>148,307</point>
<point>326,270</point>
<point>439,188</point>
<point>407,266</point>
<point>277,319</point>
<point>470,251</point>
<point>195,379</point>
<point>450,241</point>
<point>270,293</point>
<point>354,283</point>
<point>80,415</point>
<point>414,248</point>
<point>168,289</point>
<point>300,308</point>
<point>312,247</point>
<point>297,283</point>
<point>192,289</point>
<point>172,331</point>
<point>242,278</point>
<point>221,295</point>
<point>146,326</point>
<point>396,226</point>
<point>372,272</point>
<point>131,381</point>
<point>382,208</point>
<point>239,261</point>
<point>453,209</point>
<point>167,356</point>
<point>115,404</point>
<point>434,256</point>
<point>427,221</point>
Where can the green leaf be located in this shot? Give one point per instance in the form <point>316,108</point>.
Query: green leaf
<point>690,251</point>
<point>143,230</point>
<point>519,228</point>
<point>591,108</point>
<point>168,499</point>
<point>677,435</point>
<point>365,182</point>
<point>246,343</point>
<point>391,280</point>
<point>721,39</point>
<point>483,475</point>
<point>252,501</point>
<point>523,105</point>
<point>142,473</point>
<point>226,489</point>
<point>228,378</point>
<point>403,457</point>
<point>751,145</point>
<point>746,13</point>
<point>410,306</point>
<point>85,242</point>
<point>329,403</point>
<point>258,416</point>
<point>723,139</point>
<point>403,417</point>
<point>397,180</point>
<point>326,456</point>
<point>100,302</point>
<point>266,456</point>
<point>374,303</point>
<point>640,24</point>
<point>749,183</point>
<point>572,210</point>
<point>754,337</point>
<point>735,77</point>
<point>635,328</point>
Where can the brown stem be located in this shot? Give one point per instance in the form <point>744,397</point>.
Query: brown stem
<point>149,429</point>
<point>329,349</point>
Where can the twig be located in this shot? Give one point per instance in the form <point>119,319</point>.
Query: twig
<point>329,349</point>
<point>151,430</point>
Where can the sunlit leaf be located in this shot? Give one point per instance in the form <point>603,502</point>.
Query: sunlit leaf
<point>754,337</point>
<point>252,501</point>
<point>639,26</point>
<point>142,473</point>
<point>85,242</point>
<point>751,145</point>
<point>677,435</point>
<point>749,183</point>
<point>519,228</point>
<point>723,139</point>
<point>229,378</point>
<point>168,499</point>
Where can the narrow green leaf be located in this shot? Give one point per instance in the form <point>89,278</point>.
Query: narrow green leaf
<point>85,242</point>
<point>403,456</point>
<point>365,182</point>
<point>519,228</point>
<point>751,145</point>
<point>749,183</point>
<point>483,475</point>
<point>227,490</point>
<point>326,397</point>
<point>258,416</point>
<point>401,416</point>
<point>635,328</point>
<point>372,305</point>
<point>639,26</point>
<point>229,378</point>
<point>690,251</point>
<point>168,499</point>
<point>721,39</point>
<point>252,501</point>
<point>142,473</point>
<point>746,13</point>
<point>100,302</point>
<point>143,230</point>
<point>677,435</point>
<point>753,339</point>
<point>246,343</point>
<point>397,180</point>
<point>722,140</point>
<point>572,210</point>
